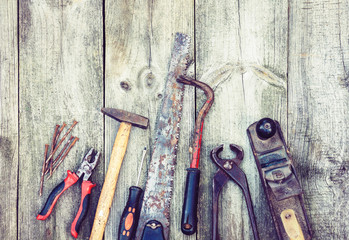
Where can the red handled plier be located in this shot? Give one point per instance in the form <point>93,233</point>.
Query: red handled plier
<point>88,163</point>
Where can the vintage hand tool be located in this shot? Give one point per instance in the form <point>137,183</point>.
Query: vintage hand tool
<point>189,211</point>
<point>279,180</point>
<point>127,119</point>
<point>130,216</point>
<point>229,170</point>
<point>88,163</point>
<point>155,213</point>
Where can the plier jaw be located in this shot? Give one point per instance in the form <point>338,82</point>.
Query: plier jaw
<point>88,163</point>
<point>227,164</point>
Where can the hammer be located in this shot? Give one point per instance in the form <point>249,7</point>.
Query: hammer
<point>127,119</point>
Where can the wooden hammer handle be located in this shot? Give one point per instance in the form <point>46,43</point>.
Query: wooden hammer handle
<point>107,194</point>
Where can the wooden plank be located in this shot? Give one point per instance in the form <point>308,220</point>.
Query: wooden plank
<point>61,79</point>
<point>8,119</point>
<point>139,40</point>
<point>241,51</point>
<point>318,110</point>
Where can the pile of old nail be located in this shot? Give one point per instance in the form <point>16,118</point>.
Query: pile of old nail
<point>51,159</point>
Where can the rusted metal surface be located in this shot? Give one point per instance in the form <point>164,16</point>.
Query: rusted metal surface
<point>229,170</point>
<point>60,131</point>
<point>277,174</point>
<point>50,164</point>
<point>158,190</point>
<point>61,141</point>
<point>53,146</point>
<point>199,123</point>
<point>65,154</point>
<point>189,211</point>
<point>43,170</point>
<point>124,116</point>
<point>63,150</point>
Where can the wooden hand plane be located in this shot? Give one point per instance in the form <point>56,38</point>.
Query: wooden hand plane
<point>279,179</point>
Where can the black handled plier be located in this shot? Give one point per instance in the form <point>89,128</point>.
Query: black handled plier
<point>229,170</point>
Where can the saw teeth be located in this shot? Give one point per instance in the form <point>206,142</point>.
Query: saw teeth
<point>160,179</point>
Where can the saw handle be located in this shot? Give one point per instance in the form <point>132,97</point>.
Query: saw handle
<point>70,180</point>
<point>111,178</point>
<point>189,211</point>
<point>86,188</point>
<point>153,230</point>
<point>130,216</point>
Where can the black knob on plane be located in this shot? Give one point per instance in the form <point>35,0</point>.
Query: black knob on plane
<point>265,128</point>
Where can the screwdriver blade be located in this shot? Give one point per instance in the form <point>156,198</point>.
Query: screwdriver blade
<point>140,169</point>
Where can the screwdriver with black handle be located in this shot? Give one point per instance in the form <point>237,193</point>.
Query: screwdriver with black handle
<point>130,216</point>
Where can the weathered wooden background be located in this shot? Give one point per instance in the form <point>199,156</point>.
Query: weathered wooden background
<point>64,60</point>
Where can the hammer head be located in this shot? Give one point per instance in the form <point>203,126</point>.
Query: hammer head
<point>123,116</point>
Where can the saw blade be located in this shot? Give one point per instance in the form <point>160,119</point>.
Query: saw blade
<point>158,190</point>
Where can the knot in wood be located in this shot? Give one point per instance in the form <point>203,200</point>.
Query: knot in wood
<point>149,78</point>
<point>125,85</point>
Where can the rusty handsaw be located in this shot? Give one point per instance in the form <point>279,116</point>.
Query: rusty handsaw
<point>154,218</point>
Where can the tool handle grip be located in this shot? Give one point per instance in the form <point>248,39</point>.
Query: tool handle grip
<point>86,188</point>
<point>111,178</point>
<point>153,230</point>
<point>189,211</point>
<point>56,193</point>
<point>130,216</point>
